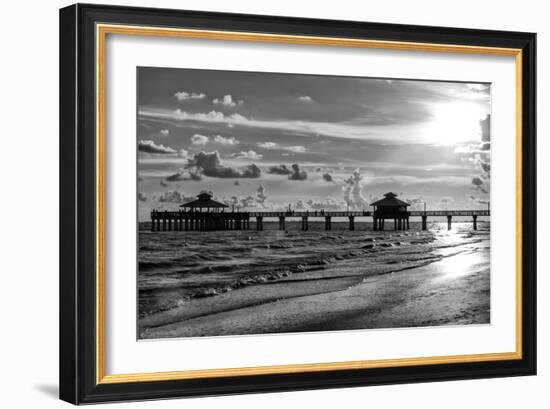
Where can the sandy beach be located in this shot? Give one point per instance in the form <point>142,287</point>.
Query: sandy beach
<point>452,289</point>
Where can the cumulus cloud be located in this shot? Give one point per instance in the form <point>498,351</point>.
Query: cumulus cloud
<point>327,204</point>
<point>212,116</point>
<point>261,197</point>
<point>256,200</point>
<point>327,177</point>
<point>173,196</point>
<point>142,197</point>
<point>184,96</point>
<point>210,164</point>
<point>247,155</point>
<point>199,140</point>
<point>297,173</point>
<point>227,101</point>
<point>352,191</point>
<point>151,147</point>
<point>305,98</point>
<point>184,175</point>
<point>165,132</point>
<point>279,170</point>
<point>225,141</point>
<point>274,145</point>
<point>182,153</point>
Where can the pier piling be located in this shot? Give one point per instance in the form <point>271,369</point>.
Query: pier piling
<point>449,220</point>
<point>305,225</point>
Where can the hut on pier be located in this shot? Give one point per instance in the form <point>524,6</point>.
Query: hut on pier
<point>390,207</point>
<point>204,202</point>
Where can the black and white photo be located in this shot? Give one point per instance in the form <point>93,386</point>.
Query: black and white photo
<point>273,202</point>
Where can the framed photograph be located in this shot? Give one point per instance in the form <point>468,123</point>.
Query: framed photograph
<point>257,203</point>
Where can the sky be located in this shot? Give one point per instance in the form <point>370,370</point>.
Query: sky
<point>270,140</point>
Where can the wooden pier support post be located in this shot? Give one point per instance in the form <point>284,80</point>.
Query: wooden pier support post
<point>374,223</point>
<point>164,224</point>
<point>281,222</point>
<point>328,223</point>
<point>153,221</point>
<point>408,225</point>
<point>449,220</point>
<point>305,226</point>
<point>399,223</point>
<point>395,224</point>
<point>475,221</point>
<point>259,223</point>
<point>424,222</point>
<point>351,222</point>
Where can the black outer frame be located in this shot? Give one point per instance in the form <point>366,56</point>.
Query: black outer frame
<point>78,198</point>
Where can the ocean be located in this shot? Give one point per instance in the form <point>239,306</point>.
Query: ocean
<point>176,268</point>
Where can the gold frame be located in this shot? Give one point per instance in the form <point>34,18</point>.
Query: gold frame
<point>102,30</point>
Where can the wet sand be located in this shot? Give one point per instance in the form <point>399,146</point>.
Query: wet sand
<point>451,291</point>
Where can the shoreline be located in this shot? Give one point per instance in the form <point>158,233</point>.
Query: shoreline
<point>451,291</point>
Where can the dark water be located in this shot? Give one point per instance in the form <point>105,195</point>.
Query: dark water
<point>176,266</point>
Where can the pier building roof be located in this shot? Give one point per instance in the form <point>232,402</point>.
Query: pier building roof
<point>390,200</point>
<point>204,201</point>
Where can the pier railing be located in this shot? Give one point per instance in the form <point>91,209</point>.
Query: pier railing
<point>222,220</point>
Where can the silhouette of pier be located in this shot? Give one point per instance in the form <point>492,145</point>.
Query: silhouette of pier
<point>204,221</point>
<point>206,214</point>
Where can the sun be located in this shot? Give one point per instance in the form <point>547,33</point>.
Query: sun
<point>455,123</point>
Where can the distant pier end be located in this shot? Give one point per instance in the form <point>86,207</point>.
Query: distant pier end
<point>206,214</point>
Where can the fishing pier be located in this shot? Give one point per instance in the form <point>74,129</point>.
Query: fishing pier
<point>206,214</point>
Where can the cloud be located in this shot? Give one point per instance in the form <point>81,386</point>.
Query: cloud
<point>297,173</point>
<point>326,204</point>
<point>352,191</point>
<point>256,200</point>
<point>151,147</point>
<point>184,96</point>
<point>209,164</point>
<point>182,153</point>
<point>267,145</point>
<point>198,139</point>
<point>247,155</point>
<point>485,125</point>
<point>261,197</point>
<point>478,184</point>
<point>478,200</point>
<point>165,132</point>
<point>445,201</point>
<point>279,170</point>
<point>184,175</point>
<point>173,196</point>
<point>225,141</point>
<point>327,177</point>
<point>227,101</point>
<point>274,145</point>
<point>305,98</point>
<point>142,197</point>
